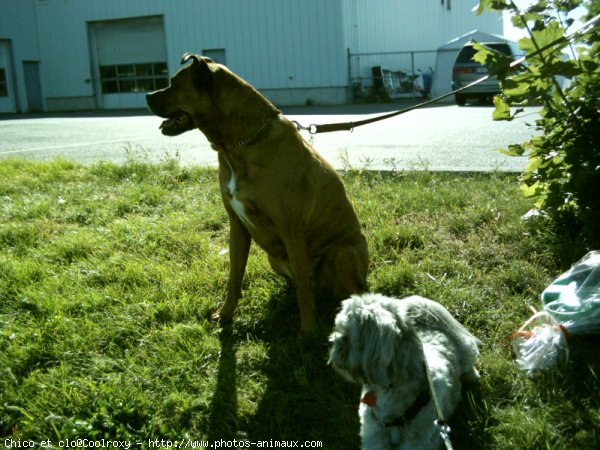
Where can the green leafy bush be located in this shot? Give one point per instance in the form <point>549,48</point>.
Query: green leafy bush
<point>563,172</point>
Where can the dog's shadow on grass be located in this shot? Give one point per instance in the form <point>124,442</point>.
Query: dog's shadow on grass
<point>223,419</point>
<point>304,400</point>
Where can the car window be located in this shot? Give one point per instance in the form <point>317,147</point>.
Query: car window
<point>501,48</point>
<point>466,54</point>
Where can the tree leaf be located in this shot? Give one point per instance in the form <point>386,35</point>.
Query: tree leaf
<point>502,111</point>
<point>513,88</point>
<point>548,34</point>
<point>567,69</point>
<point>530,190</point>
<point>492,5</point>
<point>498,63</point>
<point>513,150</point>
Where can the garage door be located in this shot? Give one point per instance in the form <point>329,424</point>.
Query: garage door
<point>131,60</point>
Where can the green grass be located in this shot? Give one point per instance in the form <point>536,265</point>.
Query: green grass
<point>109,274</point>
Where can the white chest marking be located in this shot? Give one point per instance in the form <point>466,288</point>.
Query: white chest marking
<point>237,206</point>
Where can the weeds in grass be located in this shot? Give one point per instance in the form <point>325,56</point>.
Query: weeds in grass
<point>109,274</point>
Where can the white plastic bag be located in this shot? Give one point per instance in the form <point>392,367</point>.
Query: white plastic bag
<point>573,299</point>
<point>571,305</point>
<point>540,344</point>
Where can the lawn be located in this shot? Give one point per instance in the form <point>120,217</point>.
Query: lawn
<point>109,275</point>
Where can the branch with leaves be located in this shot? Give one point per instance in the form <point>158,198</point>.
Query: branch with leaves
<point>563,172</point>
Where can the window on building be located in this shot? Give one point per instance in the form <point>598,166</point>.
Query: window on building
<point>3,83</point>
<point>133,77</point>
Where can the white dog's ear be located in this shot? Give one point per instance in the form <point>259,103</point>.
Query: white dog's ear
<point>340,347</point>
<point>380,341</point>
<point>408,354</point>
<point>345,355</point>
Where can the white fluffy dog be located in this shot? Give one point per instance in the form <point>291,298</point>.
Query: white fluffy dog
<point>383,344</point>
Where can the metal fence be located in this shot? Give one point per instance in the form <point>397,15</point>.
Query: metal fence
<point>390,75</point>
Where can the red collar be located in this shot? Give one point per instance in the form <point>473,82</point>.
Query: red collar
<point>369,399</point>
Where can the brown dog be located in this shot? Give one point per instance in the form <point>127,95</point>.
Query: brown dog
<point>276,188</point>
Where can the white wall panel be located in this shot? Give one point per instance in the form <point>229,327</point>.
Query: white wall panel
<point>393,25</point>
<point>274,44</point>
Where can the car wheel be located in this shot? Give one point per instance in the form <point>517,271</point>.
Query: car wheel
<point>461,99</point>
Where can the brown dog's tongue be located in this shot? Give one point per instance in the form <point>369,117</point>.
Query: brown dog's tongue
<point>369,399</point>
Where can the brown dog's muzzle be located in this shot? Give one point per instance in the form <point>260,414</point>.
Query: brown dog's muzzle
<point>177,121</point>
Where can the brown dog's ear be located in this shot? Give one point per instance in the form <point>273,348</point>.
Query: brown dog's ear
<point>202,73</point>
<point>187,56</point>
<point>197,58</point>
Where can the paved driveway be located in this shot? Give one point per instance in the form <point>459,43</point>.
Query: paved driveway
<point>444,137</point>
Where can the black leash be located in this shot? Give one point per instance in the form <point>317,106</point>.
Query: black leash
<point>349,126</point>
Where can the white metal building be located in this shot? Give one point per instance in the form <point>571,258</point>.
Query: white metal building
<point>105,54</point>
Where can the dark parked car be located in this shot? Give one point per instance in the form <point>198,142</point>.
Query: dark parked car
<point>466,71</point>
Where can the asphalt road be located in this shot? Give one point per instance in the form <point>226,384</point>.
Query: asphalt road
<point>444,137</point>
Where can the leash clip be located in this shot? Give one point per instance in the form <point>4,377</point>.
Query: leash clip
<point>444,433</point>
<point>312,128</point>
